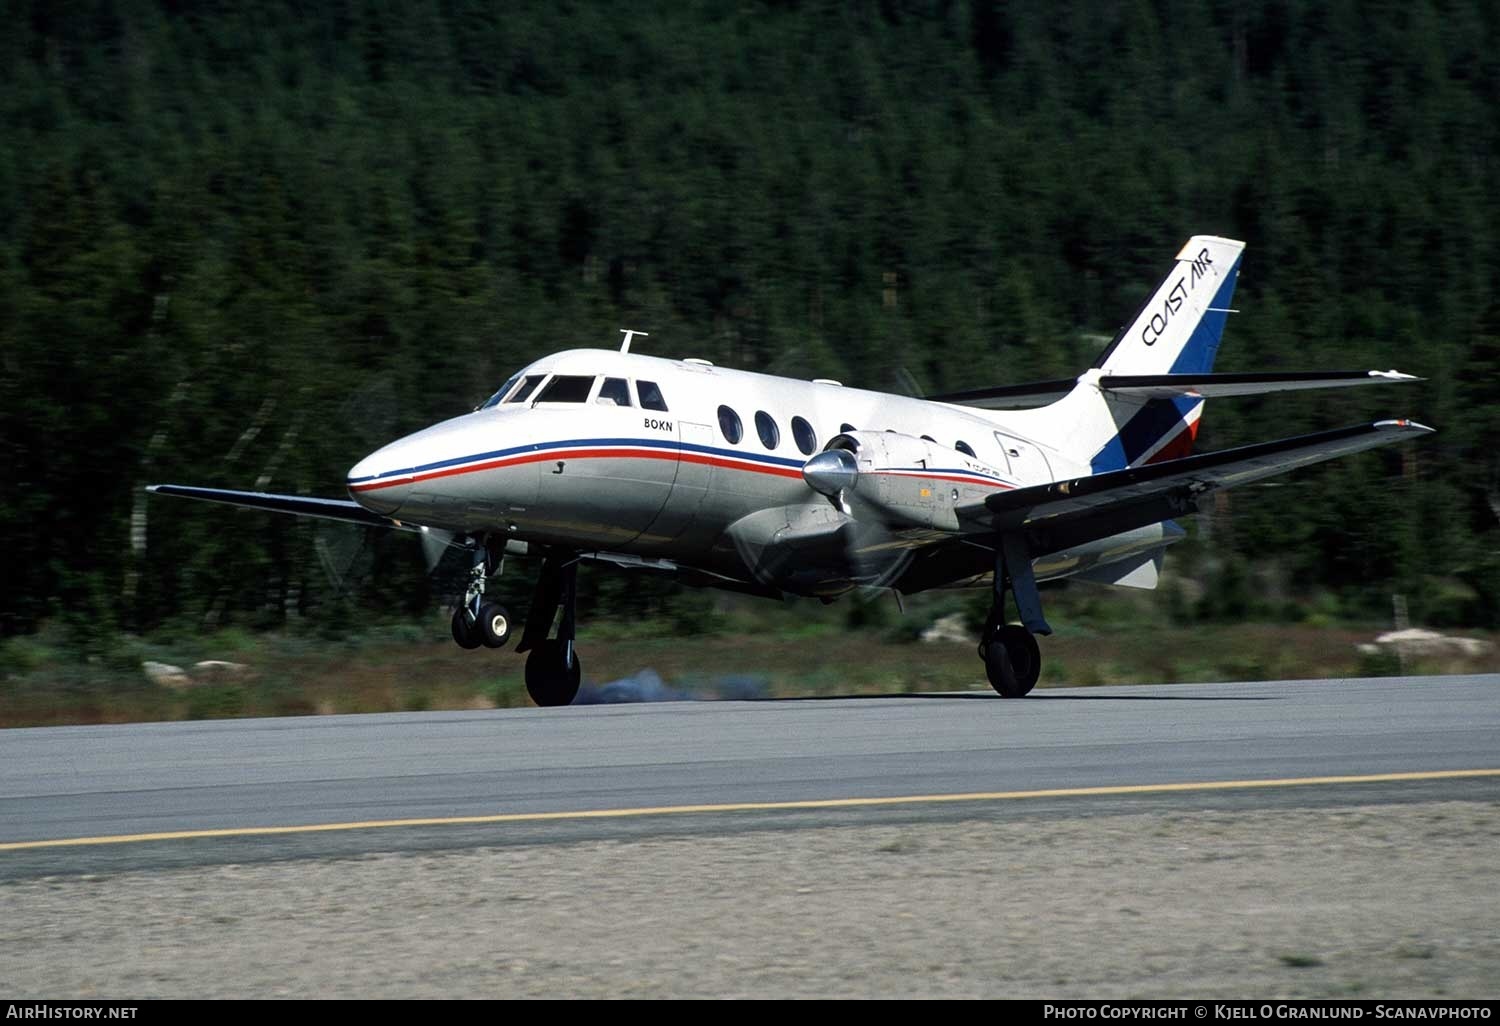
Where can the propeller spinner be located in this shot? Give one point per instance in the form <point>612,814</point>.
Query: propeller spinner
<point>832,472</point>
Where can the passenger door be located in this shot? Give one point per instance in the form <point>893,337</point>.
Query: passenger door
<point>693,481</point>
<point>1027,462</point>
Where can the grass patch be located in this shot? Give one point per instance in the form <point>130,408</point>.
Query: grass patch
<point>764,650</point>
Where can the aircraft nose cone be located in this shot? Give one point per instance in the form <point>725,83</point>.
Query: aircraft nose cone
<point>376,486</point>
<point>831,472</point>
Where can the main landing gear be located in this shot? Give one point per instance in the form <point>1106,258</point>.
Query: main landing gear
<point>1012,658</point>
<point>477,622</point>
<point>552,667</point>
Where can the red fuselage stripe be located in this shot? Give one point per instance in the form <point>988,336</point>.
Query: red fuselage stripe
<point>578,454</point>
<point>684,456</point>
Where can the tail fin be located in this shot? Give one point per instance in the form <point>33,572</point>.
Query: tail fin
<point>1176,331</point>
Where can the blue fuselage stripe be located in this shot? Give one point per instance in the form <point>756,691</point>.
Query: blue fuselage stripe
<point>577,443</point>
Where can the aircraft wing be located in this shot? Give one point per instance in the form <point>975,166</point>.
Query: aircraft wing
<point>301,505</point>
<point>1156,488</point>
<point>353,513</point>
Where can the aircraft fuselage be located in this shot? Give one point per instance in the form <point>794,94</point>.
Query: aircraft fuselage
<point>599,450</point>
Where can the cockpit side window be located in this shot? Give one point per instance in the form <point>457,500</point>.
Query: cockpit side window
<point>494,400</point>
<point>614,392</point>
<point>651,397</point>
<point>527,387</point>
<point>567,388</point>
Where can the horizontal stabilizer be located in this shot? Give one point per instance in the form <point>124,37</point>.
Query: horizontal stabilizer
<point>1213,386</point>
<point>1192,476</point>
<point>1168,386</point>
<point>1009,397</point>
<point>300,505</point>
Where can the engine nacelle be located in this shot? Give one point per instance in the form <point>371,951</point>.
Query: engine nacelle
<point>909,480</point>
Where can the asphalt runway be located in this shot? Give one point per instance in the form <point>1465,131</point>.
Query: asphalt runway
<point>161,795</point>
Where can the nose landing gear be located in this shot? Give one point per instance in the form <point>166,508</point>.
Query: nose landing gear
<point>465,631</point>
<point>477,622</point>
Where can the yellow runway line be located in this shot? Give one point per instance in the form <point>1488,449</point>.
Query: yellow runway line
<point>795,806</point>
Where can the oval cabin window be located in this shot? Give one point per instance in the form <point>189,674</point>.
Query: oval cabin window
<point>730,426</point>
<point>804,436</point>
<point>770,434</point>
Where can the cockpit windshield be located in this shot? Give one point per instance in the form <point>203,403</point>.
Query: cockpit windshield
<point>567,388</point>
<point>527,387</point>
<point>494,400</point>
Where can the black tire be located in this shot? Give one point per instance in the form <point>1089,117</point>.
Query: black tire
<point>463,631</point>
<point>548,681</point>
<point>998,668</point>
<point>1012,661</point>
<point>1025,655</point>
<point>493,627</point>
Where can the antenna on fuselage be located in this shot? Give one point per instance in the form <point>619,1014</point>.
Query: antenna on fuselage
<point>630,334</point>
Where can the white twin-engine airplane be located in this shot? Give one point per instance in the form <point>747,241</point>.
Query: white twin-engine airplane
<point>776,487</point>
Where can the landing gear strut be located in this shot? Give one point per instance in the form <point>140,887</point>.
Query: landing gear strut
<point>553,670</point>
<point>1012,658</point>
<point>477,622</point>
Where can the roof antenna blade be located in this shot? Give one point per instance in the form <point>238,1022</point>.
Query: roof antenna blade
<point>630,334</point>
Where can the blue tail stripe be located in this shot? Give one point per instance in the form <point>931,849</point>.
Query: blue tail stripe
<point>1197,356</point>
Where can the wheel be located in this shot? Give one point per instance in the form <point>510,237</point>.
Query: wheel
<point>1025,655</point>
<point>493,627</point>
<point>463,631</point>
<point>1012,661</point>
<point>548,681</point>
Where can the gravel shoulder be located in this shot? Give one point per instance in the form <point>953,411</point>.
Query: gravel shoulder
<point>1394,901</point>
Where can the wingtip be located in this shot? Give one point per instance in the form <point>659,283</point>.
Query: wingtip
<point>1395,375</point>
<point>1402,424</point>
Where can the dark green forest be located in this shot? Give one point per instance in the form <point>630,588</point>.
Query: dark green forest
<point>243,245</point>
